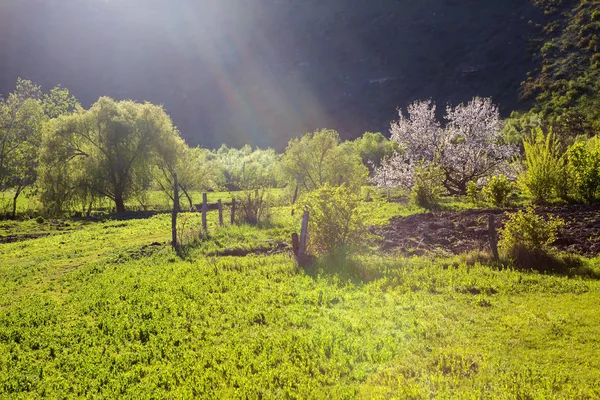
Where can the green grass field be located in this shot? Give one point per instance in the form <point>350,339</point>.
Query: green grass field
<point>106,309</point>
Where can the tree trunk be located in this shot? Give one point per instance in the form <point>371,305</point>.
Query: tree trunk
<point>189,198</point>
<point>119,203</point>
<point>17,193</point>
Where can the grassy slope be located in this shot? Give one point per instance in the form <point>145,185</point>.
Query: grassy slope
<point>93,312</point>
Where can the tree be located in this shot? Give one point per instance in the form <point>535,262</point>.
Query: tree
<point>21,118</point>
<point>246,169</point>
<point>197,170</point>
<point>22,115</point>
<point>373,148</point>
<point>318,158</point>
<point>467,148</point>
<point>116,144</point>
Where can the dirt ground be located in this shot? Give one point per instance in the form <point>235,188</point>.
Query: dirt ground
<point>459,232</point>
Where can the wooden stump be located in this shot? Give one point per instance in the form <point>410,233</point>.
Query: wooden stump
<point>204,210</point>
<point>493,237</point>
<point>232,211</point>
<point>295,244</point>
<point>220,204</point>
<point>303,235</point>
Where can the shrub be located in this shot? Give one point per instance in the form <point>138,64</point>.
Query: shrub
<point>526,237</point>
<point>497,190</point>
<point>584,162</point>
<point>337,219</point>
<point>253,207</point>
<point>40,219</point>
<point>473,192</point>
<point>543,162</point>
<point>428,187</point>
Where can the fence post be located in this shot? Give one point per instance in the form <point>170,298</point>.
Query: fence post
<point>204,210</point>
<point>220,203</point>
<point>233,211</point>
<point>174,215</point>
<point>303,235</point>
<point>295,244</point>
<point>493,237</point>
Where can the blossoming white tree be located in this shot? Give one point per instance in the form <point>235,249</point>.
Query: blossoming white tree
<point>467,148</point>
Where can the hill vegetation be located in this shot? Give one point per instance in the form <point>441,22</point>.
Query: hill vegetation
<point>566,86</point>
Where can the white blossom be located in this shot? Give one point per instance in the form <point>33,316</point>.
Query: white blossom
<point>468,148</point>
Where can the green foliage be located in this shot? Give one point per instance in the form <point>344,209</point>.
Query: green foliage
<point>337,219</point>
<point>497,190</point>
<point>566,87</point>
<point>318,158</point>
<point>247,169</point>
<point>528,233</point>
<point>254,206</point>
<point>543,162</point>
<point>520,125</point>
<point>428,185</point>
<point>21,120</point>
<point>106,151</point>
<point>197,170</point>
<point>584,165</point>
<point>22,116</point>
<point>473,192</point>
<point>373,148</point>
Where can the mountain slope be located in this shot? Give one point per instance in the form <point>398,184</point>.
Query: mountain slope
<point>263,71</point>
<point>566,84</point>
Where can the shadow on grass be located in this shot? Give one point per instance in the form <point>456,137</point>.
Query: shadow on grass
<point>125,216</point>
<point>343,265</point>
<point>537,260</point>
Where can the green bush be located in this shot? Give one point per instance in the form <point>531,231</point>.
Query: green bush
<point>473,192</point>
<point>526,236</point>
<point>253,207</point>
<point>428,187</point>
<point>584,162</point>
<point>544,163</point>
<point>337,219</point>
<point>497,190</point>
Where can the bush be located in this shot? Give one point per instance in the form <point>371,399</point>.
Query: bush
<point>428,186</point>
<point>253,207</point>
<point>526,236</point>
<point>497,190</point>
<point>543,162</point>
<point>584,162</point>
<point>473,192</point>
<point>337,219</point>
<point>40,219</point>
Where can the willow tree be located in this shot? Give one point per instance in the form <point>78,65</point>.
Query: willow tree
<point>107,151</point>
<point>22,116</point>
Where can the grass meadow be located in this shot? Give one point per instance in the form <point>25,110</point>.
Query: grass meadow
<point>105,308</point>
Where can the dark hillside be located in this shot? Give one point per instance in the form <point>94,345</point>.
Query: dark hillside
<point>254,71</point>
<point>566,83</point>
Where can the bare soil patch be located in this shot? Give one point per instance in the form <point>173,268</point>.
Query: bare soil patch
<point>19,238</point>
<point>460,232</point>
